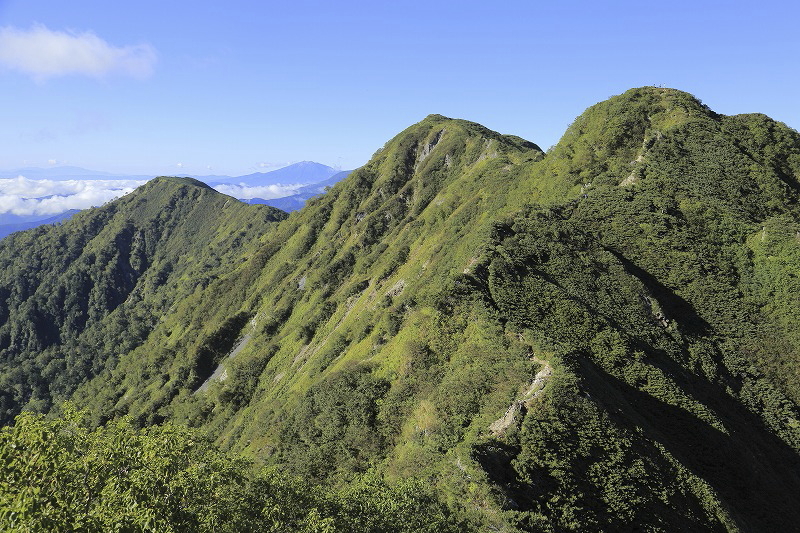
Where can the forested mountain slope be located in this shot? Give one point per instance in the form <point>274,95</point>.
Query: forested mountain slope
<point>76,297</point>
<point>597,338</point>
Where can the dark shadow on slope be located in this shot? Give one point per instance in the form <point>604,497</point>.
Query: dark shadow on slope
<point>215,347</point>
<point>496,459</point>
<point>755,474</point>
<point>673,305</point>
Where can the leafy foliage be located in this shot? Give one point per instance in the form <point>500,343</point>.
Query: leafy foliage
<point>59,475</point>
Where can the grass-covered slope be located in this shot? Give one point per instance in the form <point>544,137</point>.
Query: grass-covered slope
<point>320,283</point>
<point>609,357</point>
<point>597,338</point>
<point>76,297</point>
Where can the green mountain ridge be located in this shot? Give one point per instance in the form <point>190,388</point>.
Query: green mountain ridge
<point>79,295</point>
<point>600,337</point>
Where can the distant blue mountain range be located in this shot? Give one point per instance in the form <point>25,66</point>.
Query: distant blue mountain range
<point>63,173</point>
<point>314,178</point>
<point>298,200</point>
<point>305,172</point>
<point>7,229</point>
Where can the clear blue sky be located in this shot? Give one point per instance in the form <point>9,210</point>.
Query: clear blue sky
<point>239,86</point>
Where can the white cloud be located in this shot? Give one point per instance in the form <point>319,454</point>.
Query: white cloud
<point>266,192</point>
<point>44,53</point>
<point>23,196</point>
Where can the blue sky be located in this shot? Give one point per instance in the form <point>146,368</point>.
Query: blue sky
<point>175,87</point>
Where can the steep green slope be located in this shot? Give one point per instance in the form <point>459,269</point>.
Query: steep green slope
<point>395,320</point>
<point>597,338</point>
<point>650,290</point>
<point>75,297</point>
<point>433,189</point>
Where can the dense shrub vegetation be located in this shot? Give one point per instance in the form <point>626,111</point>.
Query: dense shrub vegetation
<point>465,333</point>
<point>60,475</point>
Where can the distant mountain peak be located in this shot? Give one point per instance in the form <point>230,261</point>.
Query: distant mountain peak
<point>303,173</point>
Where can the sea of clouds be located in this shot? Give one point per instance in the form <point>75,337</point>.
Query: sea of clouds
<point>267,192</point>
<point>24,196</point>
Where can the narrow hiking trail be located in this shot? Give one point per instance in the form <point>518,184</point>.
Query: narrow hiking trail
<point>519,407</point>
<point>221,373</point>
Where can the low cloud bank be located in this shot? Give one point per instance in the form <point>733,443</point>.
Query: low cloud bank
<point>23,196</point>
<point>267,192</point>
